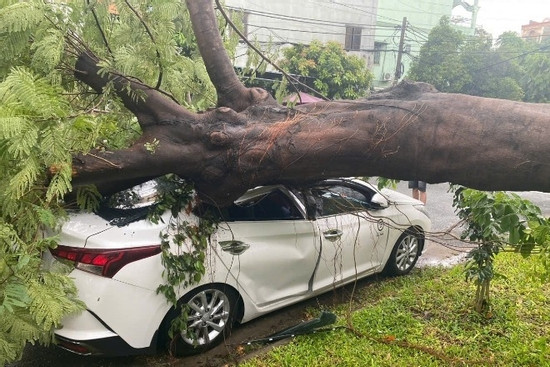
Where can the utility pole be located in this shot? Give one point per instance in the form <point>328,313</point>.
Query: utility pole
<point>475,9</point>
<point>400,52</point>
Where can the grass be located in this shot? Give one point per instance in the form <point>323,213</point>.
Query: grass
<point>427,319</point>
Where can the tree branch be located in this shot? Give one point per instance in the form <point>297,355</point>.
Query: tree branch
<point>410,132</point>
<point>147,104</point>
<point>231,92</point>
<point>289,77</point>
<point>159,80</point>
<point>103,37</point>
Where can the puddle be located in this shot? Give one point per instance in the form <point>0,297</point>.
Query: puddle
<point>446,262</point>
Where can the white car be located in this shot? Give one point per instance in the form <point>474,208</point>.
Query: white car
<point>274,247</point>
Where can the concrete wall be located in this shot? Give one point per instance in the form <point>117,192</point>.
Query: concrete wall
<point>282,23</point>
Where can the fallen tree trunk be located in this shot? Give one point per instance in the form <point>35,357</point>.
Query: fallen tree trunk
<point>410,132</point>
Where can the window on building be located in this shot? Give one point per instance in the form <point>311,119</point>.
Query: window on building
<point>353,38</point>
<point>379,48</point>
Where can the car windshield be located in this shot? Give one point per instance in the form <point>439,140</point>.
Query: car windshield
<point>270,205</point>
<point>259,204</point>
<point>139,196</point>
<point>130,205</point>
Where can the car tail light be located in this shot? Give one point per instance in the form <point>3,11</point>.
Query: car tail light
<point>103,262</point>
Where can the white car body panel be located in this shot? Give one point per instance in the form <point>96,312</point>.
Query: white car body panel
<point>287,261</point>
<point>132,312</point>
<point>84,326</point>
<point>289,266</point>
<point>350,254</point>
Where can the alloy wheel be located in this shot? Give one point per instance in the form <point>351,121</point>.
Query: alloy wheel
<point>209,312</point>
<point>407,252</point>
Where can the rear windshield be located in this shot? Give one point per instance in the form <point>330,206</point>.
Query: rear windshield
<point>130,205</point>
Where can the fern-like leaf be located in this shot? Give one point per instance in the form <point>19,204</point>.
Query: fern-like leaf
<point>52,298</point>
<point>11,126</point>
<point>13,295</point>
<point>20,16</point>
<point>36,95</point>
<point>22,145</point>
<point>88,198</point>
<point>48,51</point>
<point>60,184</point>
<point>22,326</point>
<point>53,145</point>
<point>23,180</point>
<point>8,348</point>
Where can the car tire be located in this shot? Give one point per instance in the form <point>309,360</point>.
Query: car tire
<point>405,253</point>
<point>211,314</point>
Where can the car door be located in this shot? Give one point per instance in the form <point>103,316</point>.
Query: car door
<point>269,247</point>
<point>353,238</point>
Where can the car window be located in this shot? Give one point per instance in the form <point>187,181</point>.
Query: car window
<point>274,205</point>
<point>130,205</point>
<point>139,196</point>
<point>336,199</point>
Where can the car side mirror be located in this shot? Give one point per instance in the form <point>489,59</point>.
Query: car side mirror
<point>380,201</point>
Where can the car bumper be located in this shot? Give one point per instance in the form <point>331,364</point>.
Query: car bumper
<point>112,347</point>
<point>115,310</point>
<point>86,334</point>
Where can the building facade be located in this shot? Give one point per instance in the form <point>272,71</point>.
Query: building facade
<point>536,31</point>
<point>370,29</point>
<point>419,17</point>
<point>282,23</point>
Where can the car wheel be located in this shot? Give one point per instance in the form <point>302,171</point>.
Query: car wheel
<point>211,312</point>
<point>405,253</point>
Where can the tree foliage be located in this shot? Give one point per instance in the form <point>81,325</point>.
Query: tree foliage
<point>336,74</point>
<point>536,81</point>
<point>32,137</point>
<point>440,63</point>
<point>496,222</point>
<point>130,116</point>
<point>46,118</point>
<point>513,68</point>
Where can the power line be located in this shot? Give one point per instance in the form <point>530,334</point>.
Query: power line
<point>417,36</point>
<point>547,47</point>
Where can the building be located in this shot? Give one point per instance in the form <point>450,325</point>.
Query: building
<point>283,23</point>
<point>535,31</point>
<point>420,17</point>
<point>370,29</point>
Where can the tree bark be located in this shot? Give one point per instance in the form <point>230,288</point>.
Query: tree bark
<point>410,132</point>
<point>231,92</point>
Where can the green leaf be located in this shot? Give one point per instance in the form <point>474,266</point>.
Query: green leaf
<point>14,295</point>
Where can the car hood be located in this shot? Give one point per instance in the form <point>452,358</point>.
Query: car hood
<point>395,197</point>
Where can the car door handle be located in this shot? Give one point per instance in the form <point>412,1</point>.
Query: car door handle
<point>234,247</point>
<point>332,234</point>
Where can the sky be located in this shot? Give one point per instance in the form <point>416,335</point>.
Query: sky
<point>498,16</point>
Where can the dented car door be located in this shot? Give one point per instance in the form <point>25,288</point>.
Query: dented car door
<point>352,241</point>
<point>269,247</point>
